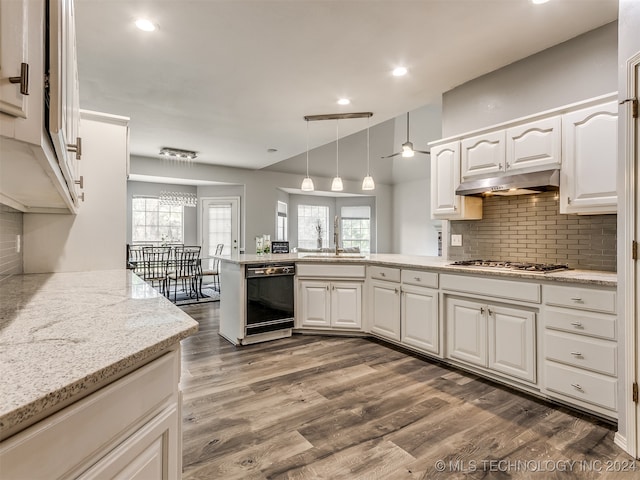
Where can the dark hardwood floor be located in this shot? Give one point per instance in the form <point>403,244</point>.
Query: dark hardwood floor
<point>316,407</point>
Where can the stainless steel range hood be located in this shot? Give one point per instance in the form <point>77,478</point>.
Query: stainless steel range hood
<point>518,184</point>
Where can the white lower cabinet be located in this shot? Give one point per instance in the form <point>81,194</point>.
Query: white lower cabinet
<point>325,304</point>
<point>385,308</point>
<point>129,429</point>
<point>499,338</point>
<point>419,318</point>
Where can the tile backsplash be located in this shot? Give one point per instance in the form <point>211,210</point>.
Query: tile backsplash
<point>530,228</point>
<point>10,226</point>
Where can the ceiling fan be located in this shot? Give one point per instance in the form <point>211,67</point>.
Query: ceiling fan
<point>407,147</point>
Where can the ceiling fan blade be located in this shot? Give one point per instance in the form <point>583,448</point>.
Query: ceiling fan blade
<point>392,155</point>
<point>422,151</point>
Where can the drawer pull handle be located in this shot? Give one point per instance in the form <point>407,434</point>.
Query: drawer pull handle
<point>481,310</point>
<point>489,311</point>
<point>577,386</point>
<point>576,299</point>
<point>577,324</point>
<point>23,79</point>
<point>417,279</point>
<point>382,274</point>
<point>576,354</point>
<point>396,290</point>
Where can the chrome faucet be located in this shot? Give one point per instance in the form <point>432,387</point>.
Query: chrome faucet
<point>336,236</point>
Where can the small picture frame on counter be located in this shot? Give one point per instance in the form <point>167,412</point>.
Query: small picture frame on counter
<point>279,247</point>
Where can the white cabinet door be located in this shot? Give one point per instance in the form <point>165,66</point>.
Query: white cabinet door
<point>315,307</point>
<point>419,318</point>
<point>512,342</point>
<point>346,305</point>
<point>385,308</point>
<point>14,38</point>
<point>588,174</point>
<point>466,331</point>
<point>535,145</point>
<point>445,178</point>
<point>483,154</point>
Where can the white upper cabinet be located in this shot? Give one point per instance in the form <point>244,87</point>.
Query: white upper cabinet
<point>445,178</point>
<point>38,167</point>
<point>534,145</point>
<point>590,146</point>
<point>13,54</point>
<point>483,154</point>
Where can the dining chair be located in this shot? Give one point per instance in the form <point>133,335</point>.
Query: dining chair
<point>155,266</point>
<point>212,269</point>
<point>184,269</point>
<point>135,258</point>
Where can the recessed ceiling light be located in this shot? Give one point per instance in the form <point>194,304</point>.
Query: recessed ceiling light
<point>399,71</point>
<point>344,101</point>
<point>539,2</point>
<point>145,25</point>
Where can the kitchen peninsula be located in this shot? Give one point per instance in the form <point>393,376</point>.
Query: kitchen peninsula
<point>553,334</point>
<point>92,358</point>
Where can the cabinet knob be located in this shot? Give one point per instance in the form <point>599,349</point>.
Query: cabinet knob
<point>382,274</point>
<point>577,324</point>
<point>327,288</point>
<point>576,354</point>
<point>77,147</point>
<point>81,196</point>
<point>577,299</point>
<point>568,200</point>
<point>500,167</point>
<point>489,311</point>
<point>80,182</point>
<point>481,310</point>
<point>577,386</point>
<point>396,290</point>
<point>23,79</point>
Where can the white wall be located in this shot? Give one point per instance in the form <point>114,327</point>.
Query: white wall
<point>263,190</point>
<point>95,238</point>
<point>580,68</point>
<point>414,232</point>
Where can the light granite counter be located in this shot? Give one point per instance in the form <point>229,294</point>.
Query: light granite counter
<point>64,335</point>
<point>589,277</point>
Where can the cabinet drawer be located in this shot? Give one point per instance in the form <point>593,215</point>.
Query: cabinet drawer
<point>384,273</point>
<point>417,277</point>
<point>585,386</point>
<point>330,271</point>
<point>582,323</point>
<point>581,298</point>
<point>580,351</point>
<point>527,292</point>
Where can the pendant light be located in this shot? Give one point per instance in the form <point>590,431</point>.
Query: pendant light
<point>336,184</point>
<point>307,183</point>
<point>368,183</point>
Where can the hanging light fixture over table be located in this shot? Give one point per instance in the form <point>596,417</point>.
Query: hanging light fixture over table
<point>368,183</point>
<point>307,183</point>
<point>336,184</point>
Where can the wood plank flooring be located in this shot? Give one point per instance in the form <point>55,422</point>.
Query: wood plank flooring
<point>316,407</point>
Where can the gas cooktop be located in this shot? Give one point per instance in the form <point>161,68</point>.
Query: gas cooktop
<point>506,265</point>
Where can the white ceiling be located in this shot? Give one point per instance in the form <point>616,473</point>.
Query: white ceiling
<point>233,78</point>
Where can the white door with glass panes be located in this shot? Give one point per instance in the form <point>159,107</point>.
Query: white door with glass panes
<point>220,225</point>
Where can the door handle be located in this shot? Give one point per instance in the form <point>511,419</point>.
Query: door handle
<point>23,79</point>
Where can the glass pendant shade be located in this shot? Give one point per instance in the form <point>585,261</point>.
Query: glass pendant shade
<point>307,185</point>
<point>336,185</point>
<point>368,183</point>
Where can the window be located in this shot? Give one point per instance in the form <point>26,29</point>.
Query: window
<point>313,226</point>
<point>281,222</point>
<point>355,228</point>
<point>153,222</point>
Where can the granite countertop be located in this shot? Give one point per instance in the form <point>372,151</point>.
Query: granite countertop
<point>439,264</point>
<point>63,335</point>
